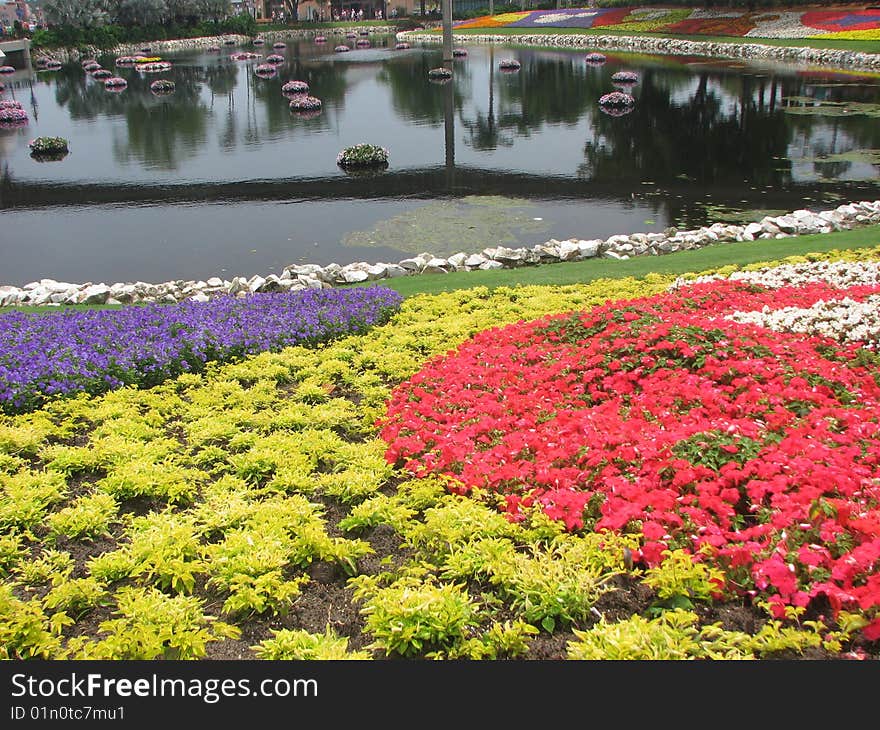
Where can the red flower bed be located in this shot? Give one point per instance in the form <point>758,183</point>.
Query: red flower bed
<point>754,449</point>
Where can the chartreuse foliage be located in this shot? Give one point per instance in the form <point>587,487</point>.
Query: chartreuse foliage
<point>165,516</point>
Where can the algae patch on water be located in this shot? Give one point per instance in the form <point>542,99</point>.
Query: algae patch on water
<point>807,105</point>
<point>445,227</point>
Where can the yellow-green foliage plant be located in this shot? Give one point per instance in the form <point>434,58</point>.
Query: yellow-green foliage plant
<point>298,645</point>
<point>26,632</point>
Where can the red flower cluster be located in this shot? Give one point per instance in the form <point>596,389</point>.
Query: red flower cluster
<point>754,449</point>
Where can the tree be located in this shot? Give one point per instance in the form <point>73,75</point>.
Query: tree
<point>141,12</point>
<point>76,13</point>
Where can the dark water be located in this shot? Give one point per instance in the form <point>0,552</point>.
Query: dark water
<point>220,178</point>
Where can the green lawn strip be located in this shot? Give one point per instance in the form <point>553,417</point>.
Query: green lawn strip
<point>582,272</point>
<point>821,43</point>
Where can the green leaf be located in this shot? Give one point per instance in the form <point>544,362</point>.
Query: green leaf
<point>549,624</point>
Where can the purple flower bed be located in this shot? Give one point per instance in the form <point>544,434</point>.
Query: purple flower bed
<point>45,356</point>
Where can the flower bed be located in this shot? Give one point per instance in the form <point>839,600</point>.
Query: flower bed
<point>756,451</point>
<point>625,77</point>
<point>295,87</point>
<point>95,351</point>
<point>163,86</point>
<point>304,102</point>
<point>48,145</point>
<point>363,156</point>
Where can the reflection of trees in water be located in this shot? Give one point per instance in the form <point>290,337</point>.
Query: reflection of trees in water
<point>483,129</point>
<point>414,97</point>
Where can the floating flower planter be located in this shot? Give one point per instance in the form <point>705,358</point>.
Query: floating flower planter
<point>213,49</point>
<point>162,86</point>
<point>244,56</point>
<point>363,157</point>
<point>40,61</point>
<point>91,66</point>
<point>265,70</point>
<point>128,60</point>
<point>274,58</point>
<point>596,59</point>
<point>48,146</point>
<point>305,103</point>
<point>320,39</point>
<point>617,103</point>
<point>295,87</point>
<point>625,77</point>
<point>85,62</point>
<point>258,41</point>
<point>279,44</point>
<point>440,73</point>
<point>154,67</point>
<point>10,104</point>
<point>341,49</point>
<point>509,64</point>
<point>115,83</point>
<point>401,46</point>
<point>53,64</point>
<point>13,115</point>
<point>351,34</point>
<point>101,73</point>
<point>364,32</point>
<point>362,43</point>
<point>7,69</point>
<point>459,52</point>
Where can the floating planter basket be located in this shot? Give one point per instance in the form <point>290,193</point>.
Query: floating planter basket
<point>92,66</point>
<point>162,86</point>
<point>101,73</point>
<point>365,32</point>
<point>154,67</point>
<point>53,64</point>
<point>10,104</point>
<point>320,39</point>
<point>115,83</point>
<point>40,61</point>
<point>274,58</point>
<point>363,157</point>
<point>617,103</point>
<point>48,146</point>
<point>279,44</point>
<point>295,87</point>
<point>362,43</point>
<point>128,60</point>
<point>85,62</point>
<point>7,69</point>
<point>625,77</point>
<point>351,34</point>
<point>596,59</point>
<point>244,56</point>
<point>440,73</point>
<point>459,52</point>
<point>265,70</point>
<point>401,46</point>
<point>305,103</point>
<point>341,49</point>
<point>258,41</point>
<point>13,115</point>
<point>509,64</point>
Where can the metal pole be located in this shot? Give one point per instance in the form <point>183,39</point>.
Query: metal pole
<point>447,31</point>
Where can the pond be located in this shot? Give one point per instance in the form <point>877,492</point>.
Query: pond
<point>220,178</point>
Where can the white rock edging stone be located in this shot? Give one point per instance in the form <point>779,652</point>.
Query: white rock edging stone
<point>296,277</point>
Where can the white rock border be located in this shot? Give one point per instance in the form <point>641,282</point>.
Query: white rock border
<point>295,277</point>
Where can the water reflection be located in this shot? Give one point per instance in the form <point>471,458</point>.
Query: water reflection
<point>703,140</point>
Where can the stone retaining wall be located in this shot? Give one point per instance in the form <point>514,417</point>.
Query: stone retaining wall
<point>667,46</point>
<point>296,277</point>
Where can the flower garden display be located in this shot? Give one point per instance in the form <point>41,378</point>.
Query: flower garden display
<point>304,103</point>
<point>362,156</point>
<point>440,72</point>
<point>45,149</point>
<point>625,77</point>
<point>265,70</point>
<point>596,59</point>
<point>509,64</point>
<point>7,69</point>
<point>401,46</point>
<point>115,83</point>
<point>162,86</point>
<point>295,86</point>
<point>274,58</point>
<point>341,49</point>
